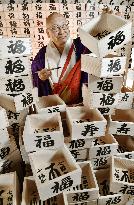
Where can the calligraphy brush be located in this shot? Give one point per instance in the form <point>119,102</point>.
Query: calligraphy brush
<point>49,69</point>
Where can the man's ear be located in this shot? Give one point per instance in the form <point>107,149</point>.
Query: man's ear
<point>47,32</point>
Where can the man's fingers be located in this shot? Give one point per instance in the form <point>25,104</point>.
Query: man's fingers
<point>44,74</point>
<point>118,13</point>
<point>45,71</point>
<point>49,72</point>
<point>107,10</point>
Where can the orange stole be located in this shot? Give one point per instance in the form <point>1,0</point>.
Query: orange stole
<point>69,89</point>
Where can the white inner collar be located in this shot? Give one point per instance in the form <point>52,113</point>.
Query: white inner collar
<point>54,59</point>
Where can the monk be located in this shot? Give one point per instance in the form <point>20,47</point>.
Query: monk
<point>56,68</point>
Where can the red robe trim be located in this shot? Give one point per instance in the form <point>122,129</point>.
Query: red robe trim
<point>69,88</point>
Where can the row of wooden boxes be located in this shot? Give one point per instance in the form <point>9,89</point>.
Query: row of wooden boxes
<point>113,185</point>
<point>97,147</point>
<point>10,157</point>
<point>45,131</point>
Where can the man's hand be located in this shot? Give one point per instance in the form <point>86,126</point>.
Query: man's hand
<point>44,74</point>
<point>107,10</point>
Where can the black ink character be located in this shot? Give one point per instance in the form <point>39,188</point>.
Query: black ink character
<point>100,161</point>
<point>6,167</point>
<point>107,99</point>
<point>125,176</point>
<point>83,196</point>
<point>52,7</point>
<point>56,109</point>
<point>65,183</point>
<point>13,115</point>
<point>41,30</point>
<point>89,129</point>
<point>117,175</point>
<point>10,197</point>
<point>75,153</point>
<point>27,100</point>
<point>74,144</point>
<point>25,6</point>
<point>13,23</point>
<point>116,40</point>
<point>39,23</point>
<point>39,15</point>
<point>13,31</point>
<point>102,35</point>
<point>4,152</point>
<point>116,200</point>
<point>79,22</point>
<point>84,182</point>
<point>127,16</point>
<point>39,140</point>
<point>66,14</point>
<point>78,14</point>
<point>10,7</point>
<point>46,143</point>
<point>16,85</point>
<point>123,129</point>
<point>26,22</point>
<point>11,15</point>
<point>91,15</point>
<point>125,97</point>
<point>117,8</point>
<point>103,151</point>
<point>106,85</point>
<point>1,32</point>
<point>16,67</point>
<point>1,24</point>
<point>62,167</point>
<point>96,142</point>
<point>128,156</point>
<point>104,110</point>
<point>40,44</point>
<point>114,66</point>
<point>124,189</point>
<point>38,7</point>
<point>53,173</point>
<point>41,176</point>
<point>27,31</point>
<point>78,7</point>
<point>25,16</point>
<point>130,191</point>
<point>16,47</point>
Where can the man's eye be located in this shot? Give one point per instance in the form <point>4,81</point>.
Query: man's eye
<point>55,28</point>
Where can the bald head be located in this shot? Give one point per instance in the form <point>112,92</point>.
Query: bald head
<point>50,19</point>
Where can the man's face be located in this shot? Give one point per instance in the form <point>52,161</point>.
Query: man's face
<point>58,30</point>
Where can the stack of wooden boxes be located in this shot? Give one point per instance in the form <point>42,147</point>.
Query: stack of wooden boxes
<point>51,140</point>
<point>106,78</point>
<point>16,78</point>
